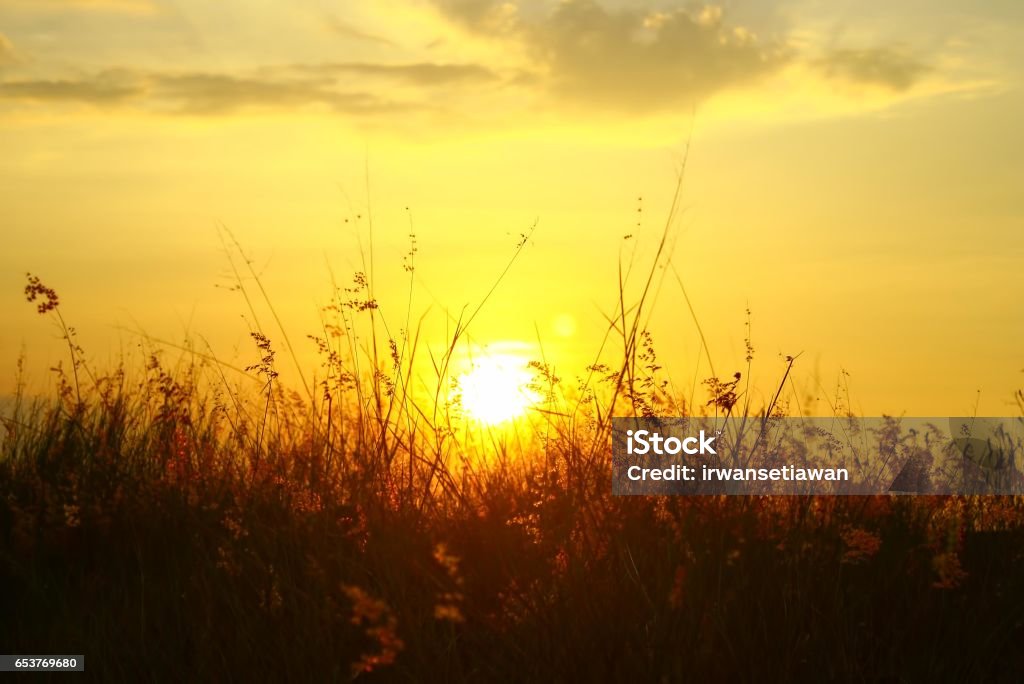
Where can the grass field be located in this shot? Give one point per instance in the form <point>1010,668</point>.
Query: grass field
<point>173,522</point>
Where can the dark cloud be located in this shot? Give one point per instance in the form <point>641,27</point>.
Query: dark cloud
<point>627,59</point>
<point>878,66</point>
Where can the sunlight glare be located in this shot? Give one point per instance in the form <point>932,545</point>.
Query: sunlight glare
<point>496,388</point>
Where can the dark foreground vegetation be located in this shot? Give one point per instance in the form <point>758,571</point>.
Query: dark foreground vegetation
<point>173,527</point>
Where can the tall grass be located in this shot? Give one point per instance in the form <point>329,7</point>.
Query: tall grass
<point>184,520</point>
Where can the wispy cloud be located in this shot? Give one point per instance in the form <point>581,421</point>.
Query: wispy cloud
<point>214,93</point>
<point>208,93</point>
<point>885,67</point>
<point>347,30</point>
<point>106,88</point>
<point>420,74</point>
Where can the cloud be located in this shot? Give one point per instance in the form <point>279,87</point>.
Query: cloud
<point>102,89</point>
<point>203,93</point>
<point>347,30</point>
<point>647,61</point>
<point>569,57</point>
<point>420,74</point>
<point>627,59</point>
<point>883,67</point>
<point>274,87</point>
<point>485,16</point>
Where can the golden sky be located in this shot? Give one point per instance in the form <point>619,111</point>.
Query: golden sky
<point>854,177</point>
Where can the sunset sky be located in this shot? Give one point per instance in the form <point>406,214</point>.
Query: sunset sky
<point>855,177</point>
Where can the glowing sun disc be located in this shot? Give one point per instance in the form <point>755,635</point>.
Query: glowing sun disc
<point>496,389</point>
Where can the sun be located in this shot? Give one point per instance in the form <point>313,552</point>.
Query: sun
<point>496,388</point>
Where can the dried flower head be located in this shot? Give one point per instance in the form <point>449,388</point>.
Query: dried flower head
<point>36,290</point>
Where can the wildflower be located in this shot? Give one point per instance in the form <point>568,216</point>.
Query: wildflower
<point>381,626</point>
<point>266,365</point>
<point>71,515</point>
<point>448,611</point>
<point>449,602</point>
<point>951,573</point>
<point>861,545</point>
<point>723,394</point>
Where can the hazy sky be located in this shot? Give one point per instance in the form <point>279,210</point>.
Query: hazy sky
<point>855,175</point>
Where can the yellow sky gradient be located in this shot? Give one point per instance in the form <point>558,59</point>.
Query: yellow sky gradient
<point>854,177</point>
